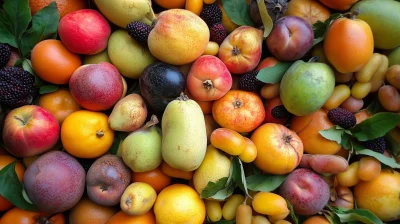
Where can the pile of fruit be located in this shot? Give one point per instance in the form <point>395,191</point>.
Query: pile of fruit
<point>199,111</point>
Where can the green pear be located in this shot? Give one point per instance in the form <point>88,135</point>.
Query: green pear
<point>184,134</point>
<point>141,150</point>
<point>128,114</point>
<point>96,58</point>
<point>216,165</point>
<point>128,55</point>
<point>306,86</point>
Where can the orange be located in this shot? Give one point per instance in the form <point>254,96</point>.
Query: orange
<point>156,178</point>
<point>340,5</point>
<point>60,103</point>
<point>349,44</point>
<point>17,215</point>
<point>19,169</point>
<point>381,195</point>
<point>123,218</point>
<point>179,204</point>
<point>64,6</point>
<point>176,173</point>
<point>171,4</point>
<point>88,212</point>
<point>310,10</point>
<point>316,219</point>
<point>53,62</point>
<point>86,134</point>
<point>308,127</point>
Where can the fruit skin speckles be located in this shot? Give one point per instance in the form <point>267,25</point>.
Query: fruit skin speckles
<point>342,117</point>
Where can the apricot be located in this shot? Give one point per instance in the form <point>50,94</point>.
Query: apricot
<point>258,219</point>
<point>328,164</point>
<point>352,104</point>
<point>244,214</point>
<point>230,207</point>
<point>360,89</point>
<point>389,97</point>
<point>228,141</point>
<point>213,210</point>
<point>268,203</point>
<point>393,76</point>
<point>275,218</point>
<point>250,152</point>
<point>270,91</point>
<point>316,219</point>
<point>339,95</point>
<point>343,77</point>
<point>349,178</point>
<point>369,168</point>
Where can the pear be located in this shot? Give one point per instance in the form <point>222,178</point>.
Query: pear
<point>184,134</point>
<point>128,114</point>
<point>141,149</point>
<point>216,165</point>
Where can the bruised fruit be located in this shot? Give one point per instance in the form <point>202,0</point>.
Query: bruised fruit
<point>54,182</point>
<point>138,198</point>
<point>107,179</point>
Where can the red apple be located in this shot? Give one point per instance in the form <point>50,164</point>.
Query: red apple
<point>208,79</point>
<point>306,191</point>
<point>241,49</point>
<point>30,130</point>
<point>290,39</point>
<point>96,87</point>
<point>84,31</point>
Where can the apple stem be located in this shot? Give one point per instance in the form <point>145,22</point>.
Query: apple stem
<point>208,84</point>
<point>153,121</point>
<point>22,121</point>
<point>314,59</point>
<point>183,97</point>
<point>100,133</point>
<point>235,51</point>
<point>352,15</point>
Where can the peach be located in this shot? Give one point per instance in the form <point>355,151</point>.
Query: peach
<point>55,182</point>
<point>241,49</point>
<point>380,196</point>
<point>290,39</point>
<point>85,31</point>
<point>349,177</point>
<point>308,127</point>
<point>29,131</point>
<point>306,191</point>
<point>208,79</point>
<point>96,87</point>
<point>178,37</point>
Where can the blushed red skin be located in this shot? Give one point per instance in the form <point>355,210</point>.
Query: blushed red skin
<point>269,105</point>
<point>328,164</point>
<point>306,191</point>
<point>208,67</point>
<point>107,180</point>
<point>96,87</point>
<point>290,39</point>
<point>85,31</point>
<point>55,182</point>
<point>266,63</point>
<point>39,134</point>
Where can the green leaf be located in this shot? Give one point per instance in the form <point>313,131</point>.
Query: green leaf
<point>266,19</point>
<point>333,134</point>
<point>376,126</point>
<point>31,37</point>
<point>264,182</point>
<point>6,31</point>
<point>48,88</point>
<point>292,213</point>
<point>321,28</point>
<point>238,175</point>
<point>317,41</point>
<point>225,193</point>
<point>50,17</point>
<point>27,66</point>
<point>213,187</point>
<point>238,12</point>
<point>273,74</point>
<point>389,161</point>
<point>362,215</point>
<point>19,16</point>
<point>392,142</point>
<point>12,188</point>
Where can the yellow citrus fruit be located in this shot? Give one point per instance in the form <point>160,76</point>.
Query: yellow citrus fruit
<point>179,204</point>
<point>86,134</point>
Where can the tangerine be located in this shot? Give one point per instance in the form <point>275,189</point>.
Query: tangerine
<point>53,62</point>
<point>64,6</point>
<point>155,178</point>
<point>17,215</point>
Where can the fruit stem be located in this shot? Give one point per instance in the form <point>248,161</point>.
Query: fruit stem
<point>208,84</point>
<point>100,133</point>
<point>235,51</point>
<point>314,59</point>
<point>182,97</point>
<point>153,121</point>
<point>352,15</point>
<point>237,104</point>
<point>22,121</point>
<point>43,220</point>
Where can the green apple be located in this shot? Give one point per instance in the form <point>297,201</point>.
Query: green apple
<point>96,58</point>
<point>306,86</point>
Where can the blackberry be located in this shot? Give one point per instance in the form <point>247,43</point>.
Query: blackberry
<point>280,112</point>
<point>211,14</point>
<point>342,117</point>
<point>377,145</point>
<point>5,54</point>
<point>139,31</point>
<point>249,82</point>
<point>218,33</point>
<point>16,87</point>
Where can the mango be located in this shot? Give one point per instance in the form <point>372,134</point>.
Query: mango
<point>184,135</point>
<point>384,18</point>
